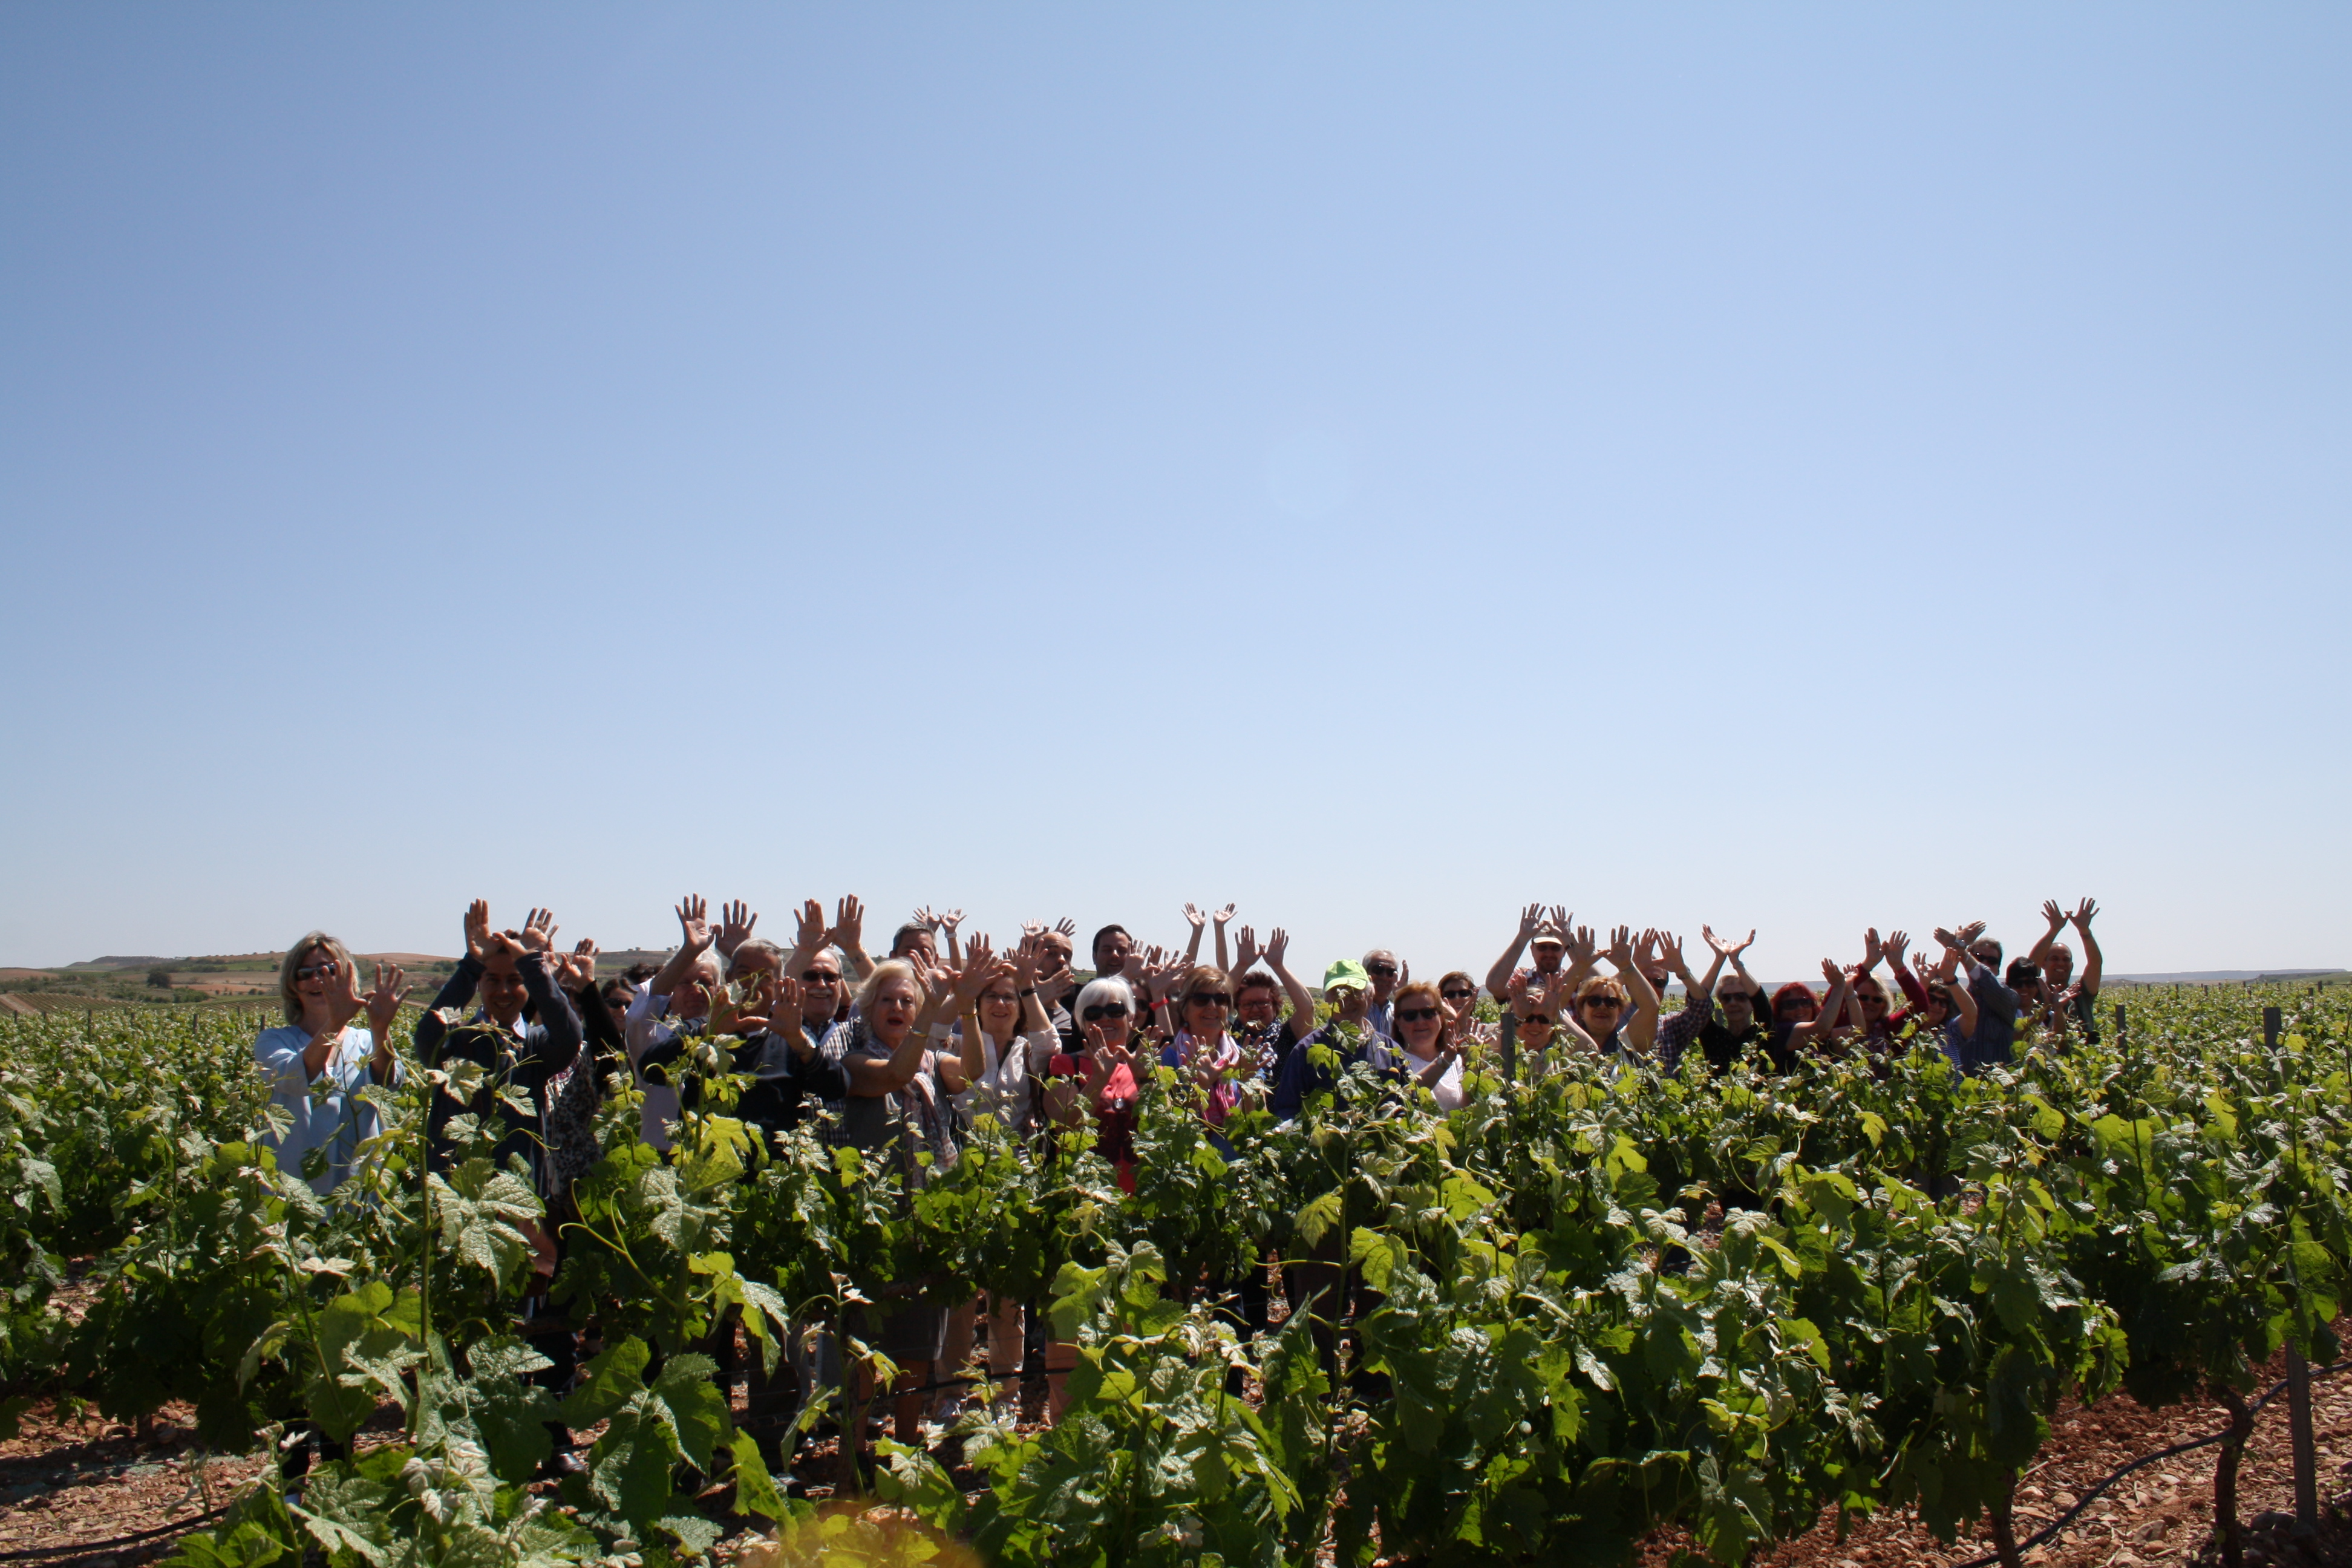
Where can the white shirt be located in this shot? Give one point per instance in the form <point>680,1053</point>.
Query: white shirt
<point>1002,1091</point>
<point>641,1030</point>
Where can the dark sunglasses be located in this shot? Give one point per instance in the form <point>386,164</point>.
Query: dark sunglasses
<point>1536,1021</point>
<point>1105,1010</point>
<point>1457,995</point>
<point>819,977</point>
<point>1415,1015</point>
<point>314,971</point>
<point>1601,1002</point>
<point>1216,998</point>
<point>1380,969</point>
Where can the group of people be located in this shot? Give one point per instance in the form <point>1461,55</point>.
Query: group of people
<point>899,1056</point>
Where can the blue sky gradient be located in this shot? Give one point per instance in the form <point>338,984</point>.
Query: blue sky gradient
<point>1796,468</point>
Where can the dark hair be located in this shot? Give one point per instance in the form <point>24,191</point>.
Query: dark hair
<point>638,973</point>
<point>2024,972</point>
<point>912,928</point>
<point>1996,948</point>
<point>1255,978</point>
<point>1095,946</point>
<point>612,989</point>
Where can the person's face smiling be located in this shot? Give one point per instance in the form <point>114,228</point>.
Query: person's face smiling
<point>1382,968</point>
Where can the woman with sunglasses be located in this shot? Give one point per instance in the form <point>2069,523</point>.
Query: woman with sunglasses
<point>1425,1029</point>
<point>1801,1022</point>
<point>1206,1059</point>
<point>1460,995</point>
<point>1267,1037</point>
<point>1599,1019</point>
<point>1098,1081</point>
<point>319,987</point>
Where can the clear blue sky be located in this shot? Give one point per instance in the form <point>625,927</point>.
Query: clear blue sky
<point>1793,466</point>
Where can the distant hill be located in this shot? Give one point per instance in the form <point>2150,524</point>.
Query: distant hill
<point>2229,976</point>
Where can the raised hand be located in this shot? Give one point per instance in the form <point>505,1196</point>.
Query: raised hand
<point>1530,917</point>
<point>1223,917</point>
<point>1951,938</point>
<point>924,918</point>
<point>478,929</point>
<point>1582,946</point>
<point>1970,931</point>
<point>577,972</point>
<point>1896,944</point>
<point>1131,969</point>
<point>383,1003</point>
<point>950,921</point>
<point>1645,951</point>
<point>694,924</point>
<point>1670,948</point>
<point>2054,915</point>
<point>848,925</point>
<point>1276,945</point>
<point>1871,949</point>
<point>978,951</point>
<point>1033,928</point>
<point>809,938</point>
<point>1025,959</point>
<point>539,930</point>
<point>1065,926</point>
<point>1832,973</point>
<point>735,923</point>
<point>1620,947</point>
<point>1195,918</point>
<point>1246,952</point>
<point>343,1000</point>
<point>2083,915</point>
<point>1404,972</point>
<point>507,944</point>
<point>1516,992</point>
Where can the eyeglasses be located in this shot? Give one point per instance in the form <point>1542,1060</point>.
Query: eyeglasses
<point>1536,1021</point>
<point>1106,1010</point>
<point>1602,1001</point>
<point>314,971</point>
<point>1001,998</point>
<point>1415,1015</point>
<point>1457,995</point>
<point>1743,998</point>
<point>819,977</point>
<point>1214,999</point>
<point>1380,969</point>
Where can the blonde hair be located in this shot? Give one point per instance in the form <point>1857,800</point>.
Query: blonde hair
<point>886,971</point>
<point>1601,986</point>
<point>290,992</point>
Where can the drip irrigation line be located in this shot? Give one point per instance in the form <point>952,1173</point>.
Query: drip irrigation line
<point>2050,1532</point>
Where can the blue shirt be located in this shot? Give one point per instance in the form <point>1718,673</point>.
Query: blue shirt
<point>333,1118</point>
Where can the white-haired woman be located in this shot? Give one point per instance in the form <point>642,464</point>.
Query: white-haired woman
<point>896,1089</point>
<point>318,986</point>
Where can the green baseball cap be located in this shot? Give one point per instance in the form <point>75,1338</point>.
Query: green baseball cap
<point>1347,971</point>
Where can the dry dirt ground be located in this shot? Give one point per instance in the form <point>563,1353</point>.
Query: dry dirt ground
<point>67,1485</point>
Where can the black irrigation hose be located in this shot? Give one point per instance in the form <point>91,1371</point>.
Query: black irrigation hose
<point>95,1546</point>
<point>2050,1530</point>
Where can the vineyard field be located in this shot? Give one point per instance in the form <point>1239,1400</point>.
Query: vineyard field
<point>1615,1315</point>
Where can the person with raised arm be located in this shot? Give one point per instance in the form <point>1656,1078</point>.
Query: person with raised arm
<point>1543,939</point>
<point>1007,1042</point>
<point>318,1065</point>
<point>1268,1040</point>
<point>1740,1027</point>
<point>1945,1011</point>
<point>2072,1003</point>
<point>1208,1061</point>
<point>524,1032</point>
<point>1599,1019</point>
<point>1054,979</point>
<point>675,1001</point>
<point>1802,1023</point>
<point>1677,1033</point>
<point>1994,1042</point>
<point>1528,1030</point>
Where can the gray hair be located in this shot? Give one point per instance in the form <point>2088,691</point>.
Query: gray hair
<point>757,947</point>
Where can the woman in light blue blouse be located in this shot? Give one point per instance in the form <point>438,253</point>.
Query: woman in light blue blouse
<point>318,1064</point>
